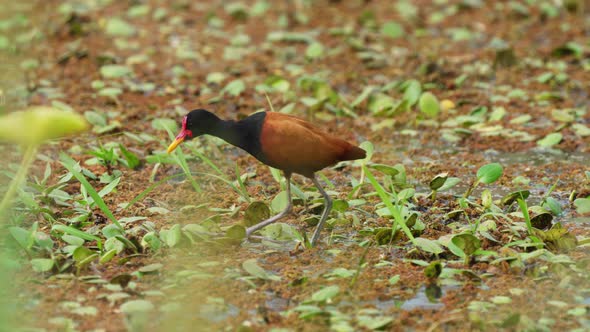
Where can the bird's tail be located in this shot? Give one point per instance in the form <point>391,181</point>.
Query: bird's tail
<point>353,153</point>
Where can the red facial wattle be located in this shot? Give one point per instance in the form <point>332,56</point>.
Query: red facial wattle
<point>181,136</point>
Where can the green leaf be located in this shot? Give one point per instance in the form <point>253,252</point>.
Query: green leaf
<point>236,232</point>
<point>215,78</point>
<point>581,130</point>
<point>109,187</point>
<point>37,124</point>
<point>315,50</point>
<point>380,103</point>
<point>513,196</point>
<point>406,194</point>
<point>136,306</point>
<point>438,181</point>
<point>42,264</point>
<point>308,311</point>
<point>81,253</point>
<point>392,30</point>
<point>428,245</point>
<point>552,205</point>
<point>235,87</point>
<point>277,83</point>
<point>111,230</point>
<point>256,212</point>
<point>115,71</point>
<point>433,270</point>
<point>107,256</point>
<point>385,169</point>
<point>550,140</point>
<point>325,294</point>
<point>131,158</point>
<point>340,272</point>
<point>165,124</point>
<point>279,203</point>
<point>4,43</point>
<point>127,242</point>
<point>450,183</point>
<point>151,268</point>
<point>76,232</point>
<point>22,236</point>
<point>521,119</point>
<point>412,92</point>
<point>61,106</point>
<point>394,280</point>
<point>428,104</point>
<point>582,205</point>
<point>138,10</point>
<point>563,115</point>
<point>119,28</point>
<point>73,240</point>
<point>340,205</point>
<point>109,92</point>
<point>489,173</point>
<point>467,243</point>
<point>364,94</point>
<point>376,323</point>
<point>252,267</point>
<point>173,236</point>
<point>152,241</point>
<point>95,118</point>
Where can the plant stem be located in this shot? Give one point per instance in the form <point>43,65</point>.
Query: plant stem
<point>525,214</point>
<point>468,192</point>
<point>25,164</point>
<point>360,265</point>
<point>361,180</point>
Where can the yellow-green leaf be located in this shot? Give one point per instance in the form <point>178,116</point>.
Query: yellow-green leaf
<point>38,124</point>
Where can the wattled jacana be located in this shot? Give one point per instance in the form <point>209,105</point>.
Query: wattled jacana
<point>278,140</point>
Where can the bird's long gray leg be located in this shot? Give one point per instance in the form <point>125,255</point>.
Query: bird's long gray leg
<point>325,213</point>
<point>272,219</point>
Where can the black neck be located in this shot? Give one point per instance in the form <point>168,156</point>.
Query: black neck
<point>229,131</point>
<point>244,134</point>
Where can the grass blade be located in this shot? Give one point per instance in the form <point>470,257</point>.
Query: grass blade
<point>149,189</point>
<point>525,214</point>
<point>69,165</point>
<point>395,210</point>
<point>206,160</point>
<point>180,160</point>
<point>243,191</point>
<point>76,232</point>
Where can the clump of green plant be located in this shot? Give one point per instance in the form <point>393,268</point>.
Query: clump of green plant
<point>396,208</point>
<point>487,174</point>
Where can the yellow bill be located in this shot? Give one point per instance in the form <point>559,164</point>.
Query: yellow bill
<point>179,139</point>
<point>184,132</point>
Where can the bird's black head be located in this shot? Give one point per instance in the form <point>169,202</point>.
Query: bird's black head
<point>195,123</point>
